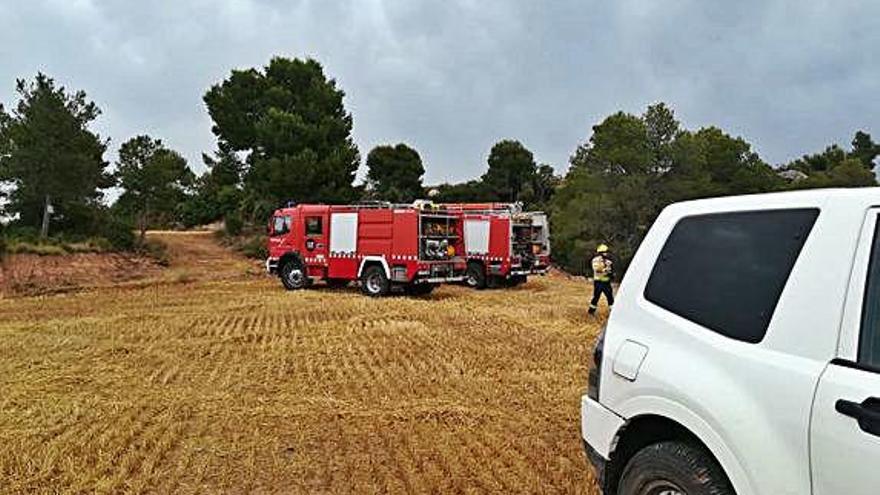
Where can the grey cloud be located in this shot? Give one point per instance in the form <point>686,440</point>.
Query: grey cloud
<point>451,78</point>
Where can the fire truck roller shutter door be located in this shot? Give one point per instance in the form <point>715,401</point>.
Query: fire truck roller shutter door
<point>476,237</point>
<point>343,233</point>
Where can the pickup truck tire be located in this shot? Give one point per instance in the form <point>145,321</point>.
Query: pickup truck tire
<point>374,283</point>
<point>673,468</point>
<point>293,275</point>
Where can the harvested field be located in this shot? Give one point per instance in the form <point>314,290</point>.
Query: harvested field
<point>224,382</point>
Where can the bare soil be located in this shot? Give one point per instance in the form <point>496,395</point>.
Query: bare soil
<point>33,274</point>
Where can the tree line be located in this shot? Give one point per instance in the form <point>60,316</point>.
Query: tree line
<point>283,133</point>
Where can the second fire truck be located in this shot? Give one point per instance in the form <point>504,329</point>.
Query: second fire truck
<point>502,243</point>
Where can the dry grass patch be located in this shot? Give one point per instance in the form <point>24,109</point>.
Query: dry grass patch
<point>231,384</point>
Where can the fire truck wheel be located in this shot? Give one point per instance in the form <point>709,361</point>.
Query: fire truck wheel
<point>374,283</point>
<point>517,280</point>
<point>475,276</point>
<point>293,276</point>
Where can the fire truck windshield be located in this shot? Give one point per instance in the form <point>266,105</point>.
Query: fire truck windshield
<point>280,225</point>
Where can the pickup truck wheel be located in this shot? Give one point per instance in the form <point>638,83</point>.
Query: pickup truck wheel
<point>475,276</point>
<point>673,468</point>
<point>374,283</point>
<point>293,275</point>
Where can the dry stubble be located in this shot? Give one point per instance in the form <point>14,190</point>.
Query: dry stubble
<point>231,384</point>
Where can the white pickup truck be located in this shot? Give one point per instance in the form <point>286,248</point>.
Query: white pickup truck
<point>743,353</point>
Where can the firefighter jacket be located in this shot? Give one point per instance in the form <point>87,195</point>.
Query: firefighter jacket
<point>602,268</point>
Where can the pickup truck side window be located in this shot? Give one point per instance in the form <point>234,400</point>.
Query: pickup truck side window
<point>869,336</point>
<point>726,271</point>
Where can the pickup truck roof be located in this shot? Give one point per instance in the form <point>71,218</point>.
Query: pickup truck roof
<point>866,195</point>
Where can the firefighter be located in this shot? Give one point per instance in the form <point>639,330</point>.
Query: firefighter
<point>603,270</point>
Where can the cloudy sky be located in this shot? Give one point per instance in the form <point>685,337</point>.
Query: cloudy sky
<point>452,77</point>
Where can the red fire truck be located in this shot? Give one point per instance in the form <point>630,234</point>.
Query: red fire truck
<point>502,243</point>
<point>382,246</point>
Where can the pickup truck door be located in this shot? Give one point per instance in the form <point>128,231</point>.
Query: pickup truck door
<point>845,426</point>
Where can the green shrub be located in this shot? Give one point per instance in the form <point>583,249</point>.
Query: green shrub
<point>90,245</point>
<point>254,247</point>
<point>118,233</point>
<point>155,249</point>
<point>22,233</point>
<point>50,248</point>
<point>234,224</point>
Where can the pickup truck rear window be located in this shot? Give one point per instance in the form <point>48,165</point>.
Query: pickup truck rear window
<point>726,271</point>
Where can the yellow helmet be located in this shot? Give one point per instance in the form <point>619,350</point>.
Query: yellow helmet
<point>602,248</point>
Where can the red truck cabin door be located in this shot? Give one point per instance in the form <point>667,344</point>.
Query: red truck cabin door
<point>314,247</point>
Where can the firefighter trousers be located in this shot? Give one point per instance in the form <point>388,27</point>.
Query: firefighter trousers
<point>601,287</point>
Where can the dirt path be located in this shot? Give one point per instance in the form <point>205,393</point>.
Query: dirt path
<point>197,255</point>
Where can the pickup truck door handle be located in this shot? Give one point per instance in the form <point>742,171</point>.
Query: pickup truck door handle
<point>867,413</point>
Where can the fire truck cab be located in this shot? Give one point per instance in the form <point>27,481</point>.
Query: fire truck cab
<point>382,246</point>
<point>503,244</point>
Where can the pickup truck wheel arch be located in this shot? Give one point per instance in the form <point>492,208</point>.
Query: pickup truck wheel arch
<point>641,432</point>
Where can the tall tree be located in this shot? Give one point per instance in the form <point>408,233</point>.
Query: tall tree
<point>541,188</point>
<point>463,192</point>
<point>835,167</point>
<point>511,168</point>
<point>619,146</point>
<point>610,193</point>
<point>633,166</point>
<point>291,121</point>
<point>731,165</point>
<point>154,181</point>
<point>225,169</point>
<point>52,161</point>
<point>394,173</point>
<point>218,192</point>
<point>819,162</point>
<point>865,149</point>
<point>661,128</point>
